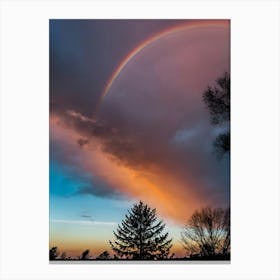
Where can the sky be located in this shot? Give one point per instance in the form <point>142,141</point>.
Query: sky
<point>128,123</point>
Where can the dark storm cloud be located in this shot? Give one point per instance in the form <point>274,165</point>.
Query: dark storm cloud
<point>84,53</point>
<point>154,119</point>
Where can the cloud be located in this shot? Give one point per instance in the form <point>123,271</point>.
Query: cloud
<point>83,222</point>
<point>82,164</point>
<point>79,116</point>
<point>185,135</point>
<point>82,57</point>
<point>86,216</point>
<point>151,138</point>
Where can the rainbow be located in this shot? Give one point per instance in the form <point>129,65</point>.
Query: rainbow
<point>155,37</point>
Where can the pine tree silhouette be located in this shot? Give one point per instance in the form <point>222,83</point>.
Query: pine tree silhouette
<point>140,235</point>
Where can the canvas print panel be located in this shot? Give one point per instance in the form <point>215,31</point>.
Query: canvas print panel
<point>139,140</point>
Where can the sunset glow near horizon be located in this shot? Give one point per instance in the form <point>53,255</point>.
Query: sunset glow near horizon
<point>128,123</point>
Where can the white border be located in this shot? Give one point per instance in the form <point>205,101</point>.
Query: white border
<point>255,138</point>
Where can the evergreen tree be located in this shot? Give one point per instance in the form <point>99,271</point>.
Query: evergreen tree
<point>140,235</point>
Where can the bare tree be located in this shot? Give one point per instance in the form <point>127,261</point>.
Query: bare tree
<point>226,241</point>
<point>208,232</point>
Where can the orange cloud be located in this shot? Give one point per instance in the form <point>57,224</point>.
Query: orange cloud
<point>172,198</point>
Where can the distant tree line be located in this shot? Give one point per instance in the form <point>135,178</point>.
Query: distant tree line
<point>85,255</point>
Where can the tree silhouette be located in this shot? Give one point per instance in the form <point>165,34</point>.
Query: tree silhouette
<point>53,253</point>
<point>226,240</point>
<point>222,144</point>
<point>140,235</point>
<point>63,256</point>
<point>85,255</point>
<point>217,100</point>
<point>208,232</point>
<point>104,256</point>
